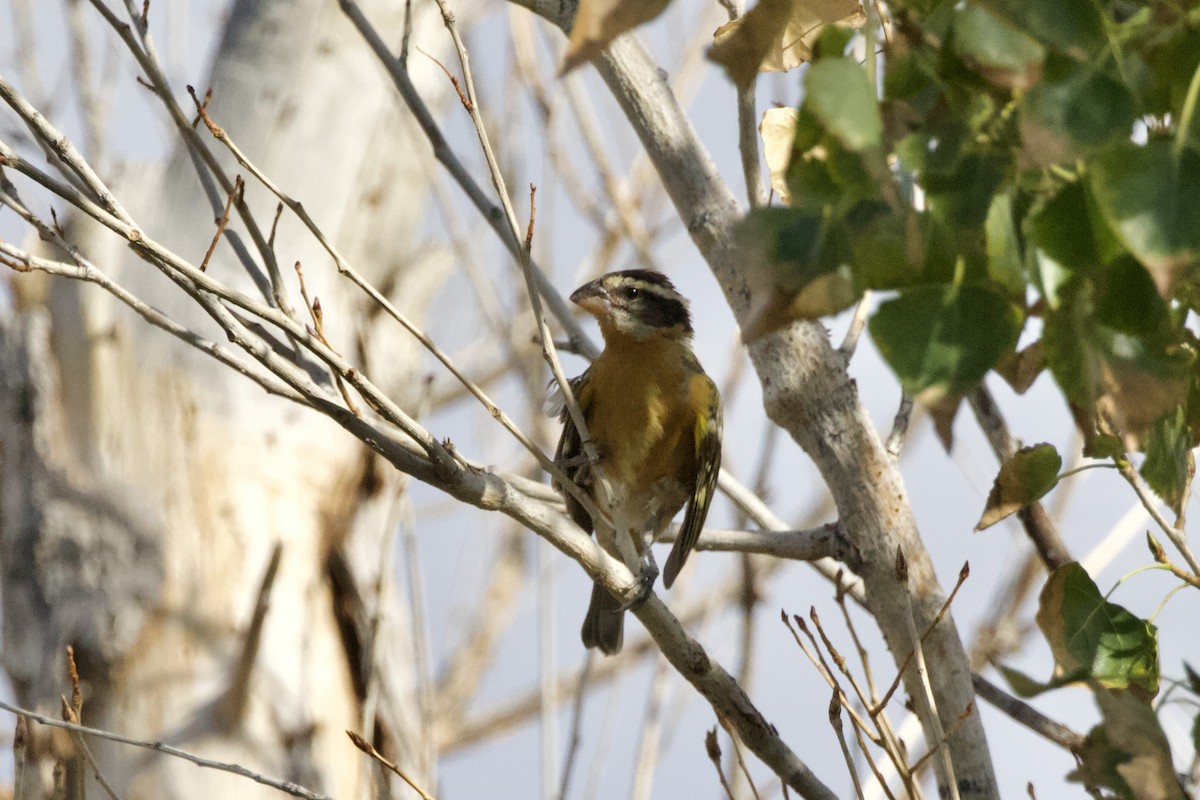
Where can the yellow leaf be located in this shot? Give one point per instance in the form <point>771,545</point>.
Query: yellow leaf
<point>598,22</point>
<point>777,35</point>
<point>778,132</point>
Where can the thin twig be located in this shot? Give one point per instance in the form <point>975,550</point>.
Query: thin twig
<point>818,660</point>
<point>919,764</point>
<point>934,717</point>
<point>84,270</point>
<point>860,726</point>
<point>238,186</point>
<point>231,708</point>
<point>142,48</point>
<point>963,574</point>
<point>714,755</point>
<point>71,715</point>
<point>737,752</point>
<point>344,268</point>
<point>235,769</point>
<point>575,735</point>
<point>858,323</point>
<point>535,300</point>
<point>1150,502</point>
<point>835,719</point>
<point>895,440</point>
<point>1160,555</point>
<point>200,286</point>
<point>20,752</point>
<point>369,749</point>
<point>442,151</point>
<point>318,319</point>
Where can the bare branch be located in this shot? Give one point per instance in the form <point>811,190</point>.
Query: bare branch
<point>1177,536</point>
<point>284,786</point>
<point>1027,715</point>
<point>494,216</point>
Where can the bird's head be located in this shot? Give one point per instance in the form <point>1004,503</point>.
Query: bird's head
<point>637,303</point>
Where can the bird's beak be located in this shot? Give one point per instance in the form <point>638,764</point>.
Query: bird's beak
<point>592,298</point>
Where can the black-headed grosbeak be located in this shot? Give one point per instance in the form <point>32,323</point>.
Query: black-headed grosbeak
<point>655,417</point>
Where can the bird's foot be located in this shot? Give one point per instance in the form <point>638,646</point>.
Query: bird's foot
<point>647,575</point>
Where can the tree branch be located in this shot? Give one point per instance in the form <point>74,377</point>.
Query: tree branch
<point>807,392</point>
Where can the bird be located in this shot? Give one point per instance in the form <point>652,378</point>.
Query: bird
<point>655,418</point>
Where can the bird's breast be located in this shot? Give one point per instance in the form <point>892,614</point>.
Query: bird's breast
<point>643,426</point>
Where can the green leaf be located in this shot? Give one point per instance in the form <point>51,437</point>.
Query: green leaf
<point>1104,445</point>
<point>1127,301</point>
<point>1139,373</point>
<point>1004,55</point>
<point>1021,683</point>
<point>838,94</point>
<point>1003,247</point>
<point>1196,734</point>
<point>1171,62</point>
<point>1193,680</point>
<point>794,271</point>
<point>963,194</point>
<point>1167,451</point>
<point>1072,26</point>
<point>893,251</point>
<point>1023,479</point>
<point>1149,197</point>
<point>1027,687</point>
<point>942,340</point>
<point>1078,104</point>
<point>786,242</point>
<point>1086,632</point>
<point>1072,362</point>
<point>1062,229</point>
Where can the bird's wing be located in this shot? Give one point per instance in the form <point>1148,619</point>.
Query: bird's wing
<point>569,455</point>
<point>707,402</point>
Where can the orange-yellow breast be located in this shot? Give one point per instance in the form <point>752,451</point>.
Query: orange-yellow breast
<point>641,411</point>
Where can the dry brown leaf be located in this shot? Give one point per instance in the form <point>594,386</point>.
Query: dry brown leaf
<point>598,22</point>
<point>1129,753</point>
<point>1132,399</point>
<point>1021,369</point>
<point>777,35</point>
<point>778,132</point>
<point>943,408</point>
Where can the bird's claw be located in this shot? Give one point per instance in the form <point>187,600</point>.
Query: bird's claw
<point>647,575</point>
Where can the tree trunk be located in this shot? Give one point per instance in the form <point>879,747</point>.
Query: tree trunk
<point>145,486</point>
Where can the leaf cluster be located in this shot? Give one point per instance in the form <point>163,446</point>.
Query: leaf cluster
<point>1025,170</point>
<point>1115,653</point>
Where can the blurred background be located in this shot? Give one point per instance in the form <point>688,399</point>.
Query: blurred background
<point>640,729</point>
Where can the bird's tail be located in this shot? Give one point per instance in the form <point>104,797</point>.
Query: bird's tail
<point>604,625</point>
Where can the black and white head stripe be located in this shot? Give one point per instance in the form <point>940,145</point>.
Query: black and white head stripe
<point>650,297</point>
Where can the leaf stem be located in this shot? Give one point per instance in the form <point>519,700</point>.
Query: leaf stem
<point>1186,115</point>
<point>1129,575</point>
<point>1170,594</point>
<point>1081,468</point>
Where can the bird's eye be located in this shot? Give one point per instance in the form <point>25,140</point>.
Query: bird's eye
<point>631,292</point>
